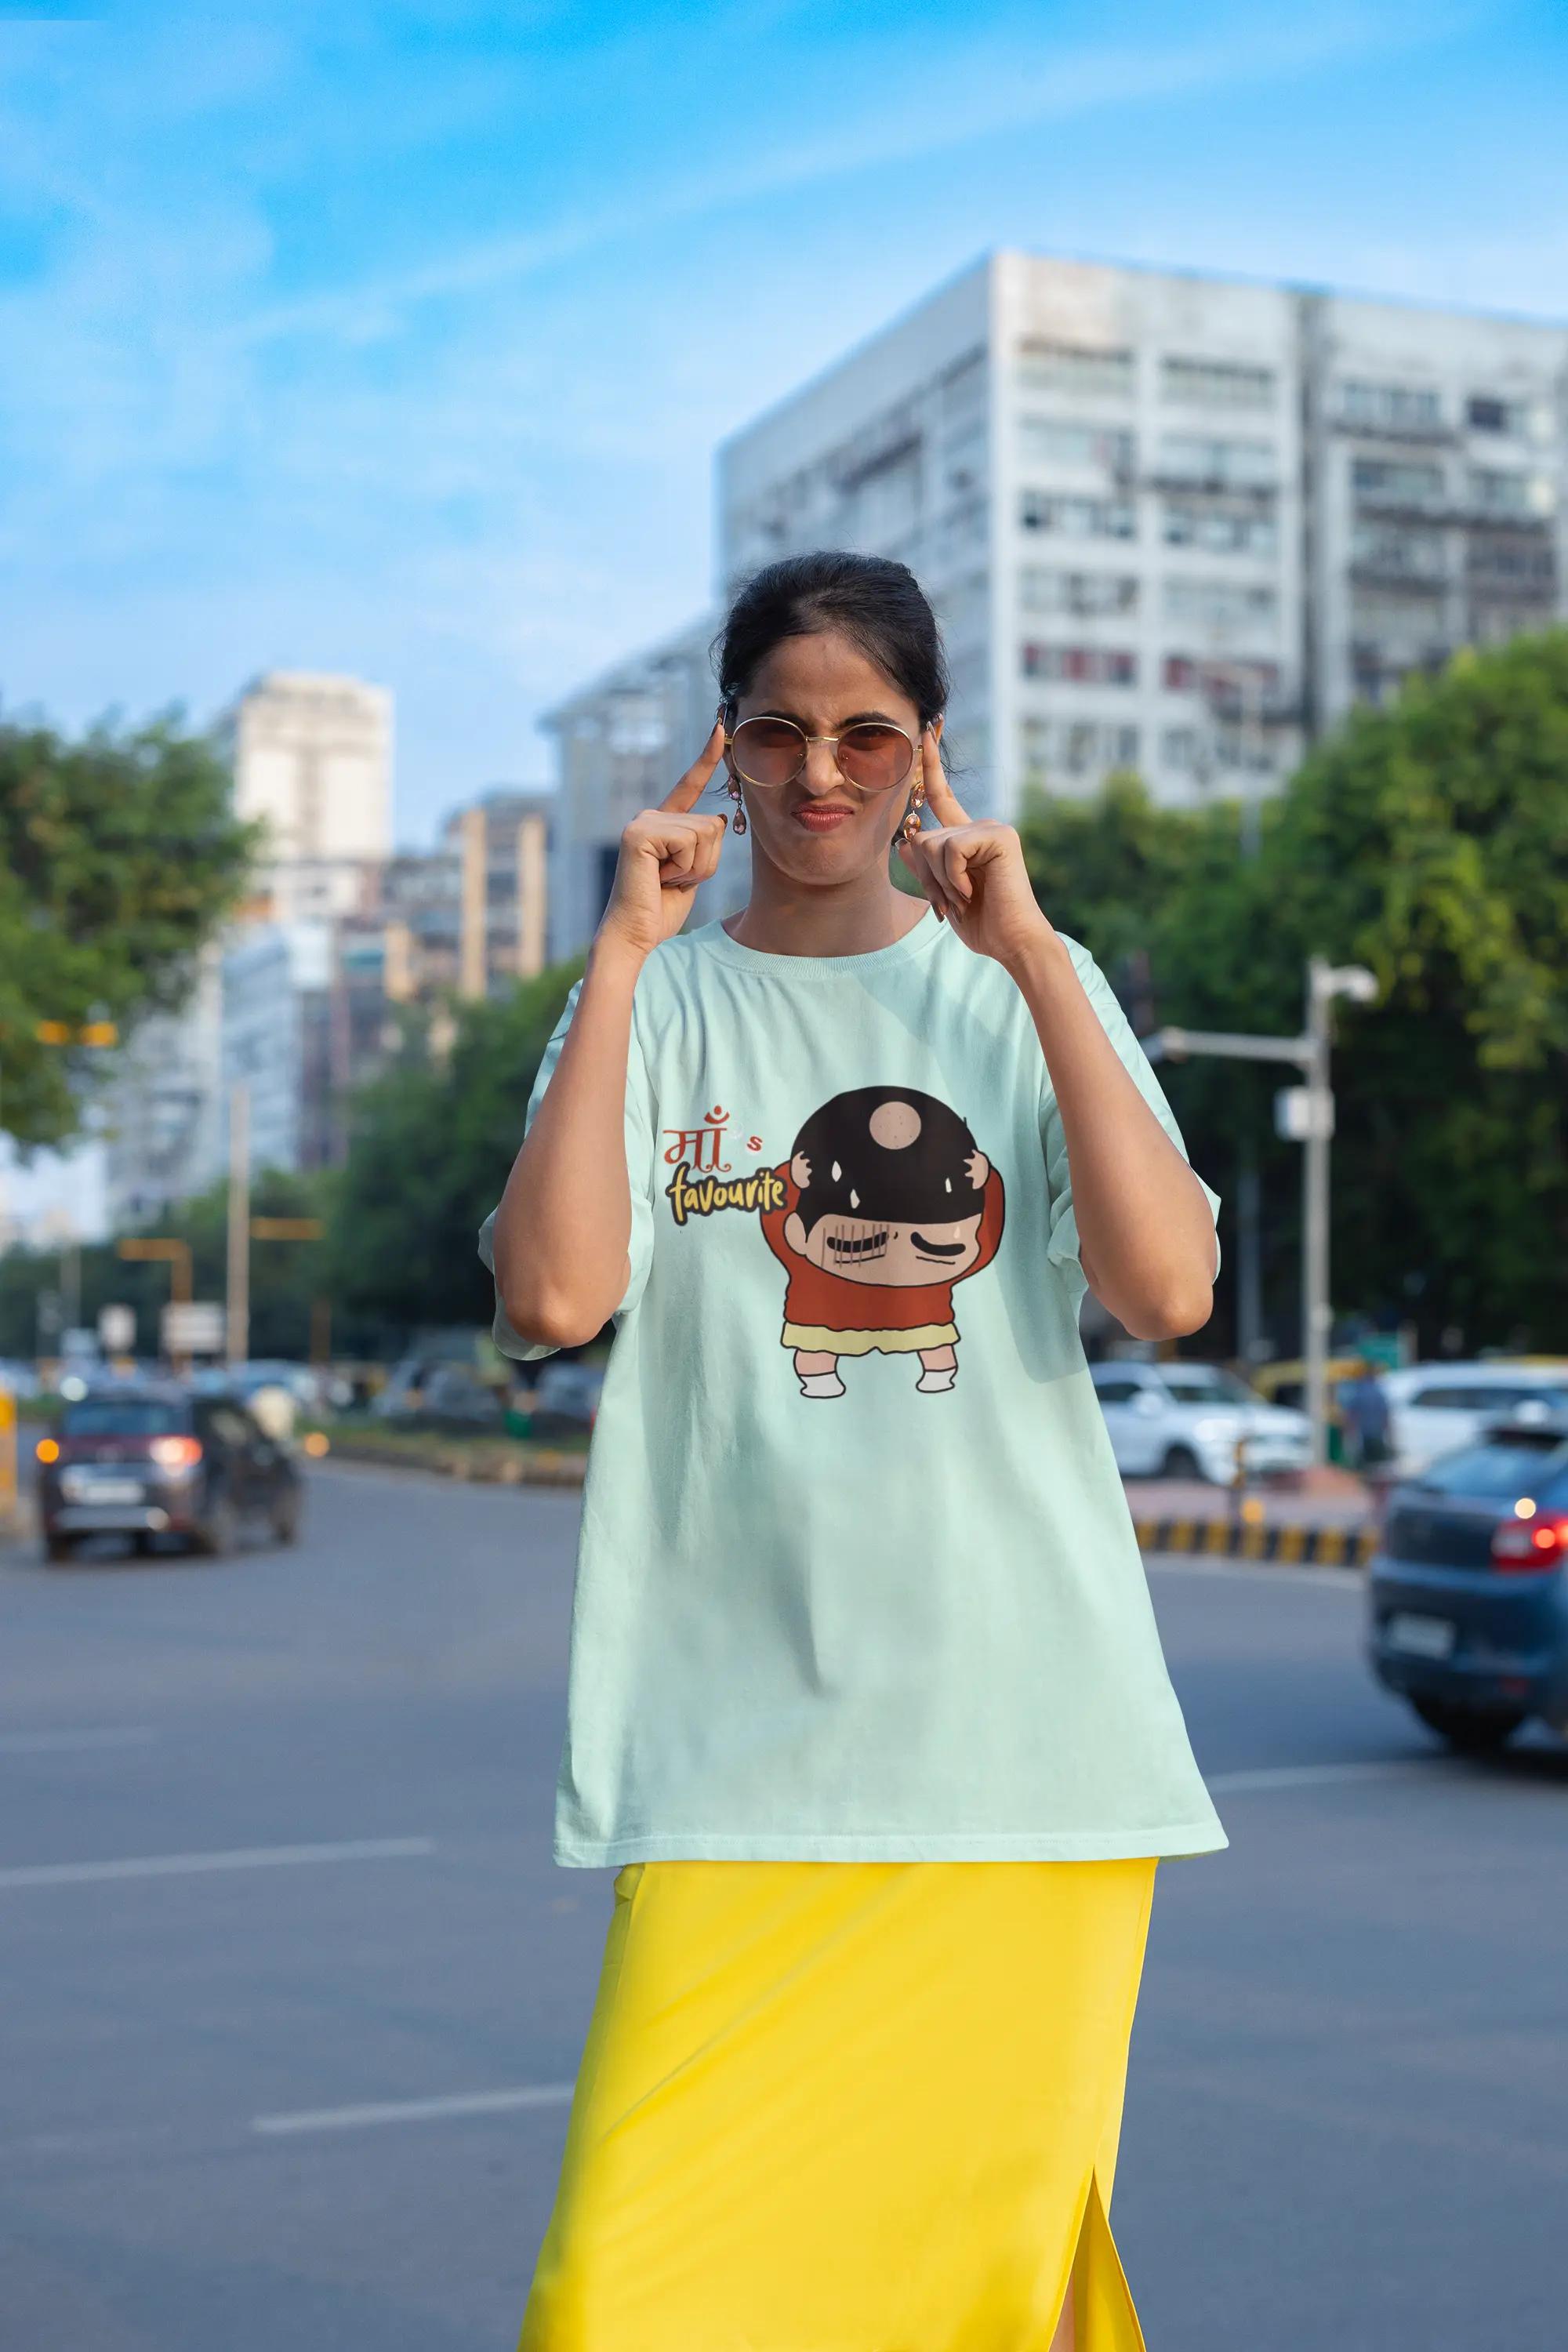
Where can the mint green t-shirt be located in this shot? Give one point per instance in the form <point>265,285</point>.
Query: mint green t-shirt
<point>857,1579</point>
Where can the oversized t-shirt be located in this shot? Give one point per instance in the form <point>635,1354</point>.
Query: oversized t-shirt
<point>857,1578</point>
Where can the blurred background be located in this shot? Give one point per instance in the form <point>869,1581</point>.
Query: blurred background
<point>388,404</point>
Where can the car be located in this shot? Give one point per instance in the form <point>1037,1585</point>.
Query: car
<point>565,1400</point>
<point>1435,1409</point>
<point>155,1460</point>
<point>1186,1421</point>
<point>1466,1617</point>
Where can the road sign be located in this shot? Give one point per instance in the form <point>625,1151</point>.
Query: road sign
<point>117,1330</point>
<point>1304,1114</point>
<point>193,1326</point>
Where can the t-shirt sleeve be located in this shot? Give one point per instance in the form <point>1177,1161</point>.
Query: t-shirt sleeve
<point>1063,1249</point>
<point>639,1133</point>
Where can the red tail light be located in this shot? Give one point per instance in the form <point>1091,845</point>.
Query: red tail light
<point>175,1452</point>
<point>1532,1543</point>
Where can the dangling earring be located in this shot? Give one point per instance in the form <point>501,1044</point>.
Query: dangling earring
<point>910,829</point>
<point>738,822</point>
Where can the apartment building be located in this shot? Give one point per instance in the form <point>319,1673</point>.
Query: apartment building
<point>621,743</point>
<point>1172,524</point>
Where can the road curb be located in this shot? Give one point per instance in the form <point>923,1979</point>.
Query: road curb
<point>1290,1544</point>
<point>501,1465</point>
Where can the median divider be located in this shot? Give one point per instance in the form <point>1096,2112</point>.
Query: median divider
<point>1287,1544</point>
<point>491,1462</point>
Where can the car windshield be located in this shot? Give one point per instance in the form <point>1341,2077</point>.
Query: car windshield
<point>125,1417</point>
<point>1484,1397</point>
<point>1206,1384</point>
<point>1521,1463</point>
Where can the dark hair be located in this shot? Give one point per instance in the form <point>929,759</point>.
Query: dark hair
<point>878,604</point>
<point>915,1166</point>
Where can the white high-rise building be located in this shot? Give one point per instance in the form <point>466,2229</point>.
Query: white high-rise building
<point>1172,524</point>
<point>313,762</point>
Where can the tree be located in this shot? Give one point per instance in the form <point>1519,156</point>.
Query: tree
<point>429,1148</point>
<point>119,855</point>
<point>1430,842</point>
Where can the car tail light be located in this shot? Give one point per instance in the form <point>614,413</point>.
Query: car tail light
<point>47,1450</point>
<point>175,1452</point>
<point>1532,1543</point>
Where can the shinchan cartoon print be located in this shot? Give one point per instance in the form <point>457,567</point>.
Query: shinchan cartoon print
<point>887,1202</point>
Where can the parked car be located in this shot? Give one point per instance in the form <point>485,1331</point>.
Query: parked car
<point>565,1400</point>
<point>156,1461</point>
<point>1186,1421</point>
<point>1467,1613</point>
<point>1437,1408</point>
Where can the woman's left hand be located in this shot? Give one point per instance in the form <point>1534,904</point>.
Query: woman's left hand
<point>972,872</point>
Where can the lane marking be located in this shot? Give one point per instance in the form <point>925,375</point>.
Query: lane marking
<point>1314,1776</point>
<point>65,1743</point>
<point>413,2111</point>
<point>196,1866</point>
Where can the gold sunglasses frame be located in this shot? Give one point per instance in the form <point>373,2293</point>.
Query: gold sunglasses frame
<point>872,791</point>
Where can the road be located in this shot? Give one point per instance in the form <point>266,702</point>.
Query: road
<point>289,1993</point>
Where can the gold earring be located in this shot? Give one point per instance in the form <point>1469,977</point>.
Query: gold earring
<point>738,822</point>
<point>910,829</point>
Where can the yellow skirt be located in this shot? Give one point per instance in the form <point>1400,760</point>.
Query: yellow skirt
<point>849,2108</point>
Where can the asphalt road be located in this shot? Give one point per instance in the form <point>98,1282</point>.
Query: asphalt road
<point>289,1993</point>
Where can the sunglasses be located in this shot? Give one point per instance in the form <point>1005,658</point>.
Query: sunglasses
<point>876,756</point>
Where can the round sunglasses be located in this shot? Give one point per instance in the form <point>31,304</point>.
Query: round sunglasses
<point>876,756</point>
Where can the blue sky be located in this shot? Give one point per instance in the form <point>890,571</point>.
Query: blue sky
<point>398,340</point>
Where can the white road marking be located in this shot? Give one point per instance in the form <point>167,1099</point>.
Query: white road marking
<point>66,1743</point>
<point>1314,1776</point>
<point>194,1865</point>
<point>414,2111</point>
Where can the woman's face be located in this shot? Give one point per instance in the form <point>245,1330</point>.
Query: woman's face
<point>821,830</point>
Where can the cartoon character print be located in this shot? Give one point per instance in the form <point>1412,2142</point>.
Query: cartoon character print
<point>890,1201</point>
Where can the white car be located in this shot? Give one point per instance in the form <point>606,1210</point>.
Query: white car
<point>1436,1408</point>
<point>1186,1421</point>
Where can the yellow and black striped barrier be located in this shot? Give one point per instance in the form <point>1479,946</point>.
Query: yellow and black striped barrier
<point>1243,1539</point>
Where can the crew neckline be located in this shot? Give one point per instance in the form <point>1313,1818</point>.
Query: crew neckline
<point>917,940</point>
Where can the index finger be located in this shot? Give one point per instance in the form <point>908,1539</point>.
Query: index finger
<point>941,798</point>
<point>700,775</point>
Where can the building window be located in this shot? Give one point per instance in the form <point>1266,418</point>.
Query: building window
<point>1391,407</point>
<point>1515,564</point>
<point>1496,492</point>
<point>1221,531</point>
<point>1045,366</point>
<point>1078,517</point>
<point>1081,665</point>
<point>1179,747</point>
<point>1077,748</point>
<point>1224,464</point>
<point>1380,481</point>
<point>1219,604</point>
<point>1216,383</point>
<point>1056,441</point>
<point>1408,553</point>
<point>1220,682</point>
<point>1043,591</point>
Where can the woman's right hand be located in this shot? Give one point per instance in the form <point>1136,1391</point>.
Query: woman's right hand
<point>665,853</point>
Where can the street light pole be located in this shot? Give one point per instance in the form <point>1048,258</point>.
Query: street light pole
<point>237,1321</point>
<point>1306,1115</point>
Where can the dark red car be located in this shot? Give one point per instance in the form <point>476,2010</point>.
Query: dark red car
<point>149,1462</point>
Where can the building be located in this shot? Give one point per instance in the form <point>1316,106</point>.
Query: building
<point>164,1126</point>
<point>1172,523</point>
<point>313,764</point>
<point>501,845</point>
<point>621,744</point>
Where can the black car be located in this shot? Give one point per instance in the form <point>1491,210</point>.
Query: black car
<point>1468,1619</point>
<point>153,1461</point>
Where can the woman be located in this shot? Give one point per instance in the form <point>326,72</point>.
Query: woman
<point>867,1698</point>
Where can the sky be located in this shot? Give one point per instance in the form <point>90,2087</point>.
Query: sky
<point>398,340</point>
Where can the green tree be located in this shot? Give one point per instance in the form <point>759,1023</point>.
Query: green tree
<point>430,1145</point>
<point>119,855</point>
<point>1430,842</point>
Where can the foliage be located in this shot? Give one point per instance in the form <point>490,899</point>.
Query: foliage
<point>1430,842</point>
<point>429,1149</point>
<point>118,856</point>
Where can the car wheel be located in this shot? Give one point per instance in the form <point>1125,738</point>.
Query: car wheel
<point>1474,1730</point>
<point>58,1548</point>
<point>1180,1462</point>
<point>285,1519</point>
<point>219,1531</point>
